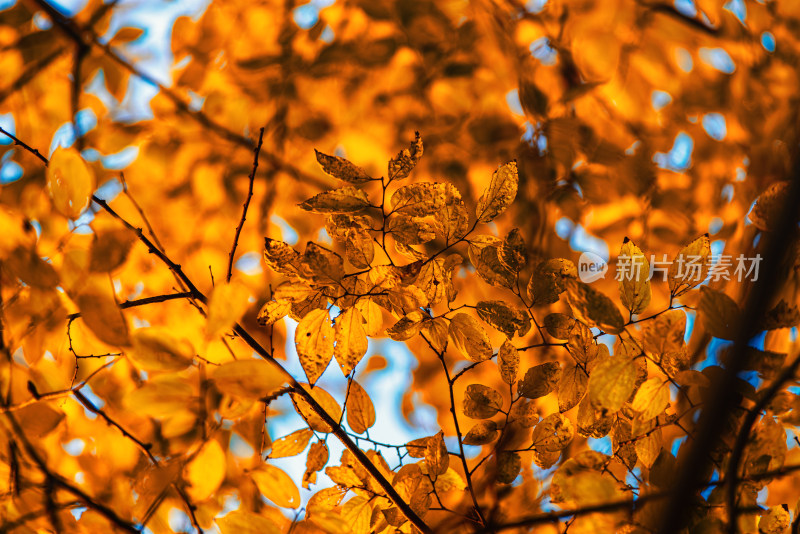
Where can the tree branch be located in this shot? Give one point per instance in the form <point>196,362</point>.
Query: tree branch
<point>246,204</point>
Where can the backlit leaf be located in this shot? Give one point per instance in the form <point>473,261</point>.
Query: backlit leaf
<point>344,200</point>
<point>359,248</point>
<point>503,317</point>
<point>325,400</point>
<point>342,169</point>
<point>572,387</point>
<point>314,338</point>
<point>508,362</point>
<point>70,182</point>
<point>252,379</point>
<point>205,472</point>
<point>634,285</point>
<point>509,465</point>
<point>500,194</point>
<point>540,380</point>
<point>437,458</point>
<point>594,308</point>
<point>470,338</point>
<point>273,311</point>
<point>553,433</point>
<point>401,165</point>
<point>226,306</point>
<point>720,313</point>
<point>481,402</point>
<point>156,349</point>
<point>652,398</point>
<point>481,433</point>
<point>611,383</point>
<point>360,410</point>
<point>689,268</point>
<point>291,444</point>
<point>351,340</point>
<point>277,486</point>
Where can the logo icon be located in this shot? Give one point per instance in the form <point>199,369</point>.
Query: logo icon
<point>591,267</point>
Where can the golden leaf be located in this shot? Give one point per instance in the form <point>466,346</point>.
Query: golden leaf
<point>572,387</point>
<point>205,472</point>
<point>481,433</point>
<point>409,230</point>
<point>357,513</point>
<point>156,349</point>
<point>277,486</point>
<point>505,318</point>
<point>500,194</point>
<point>401,165</point>
<point>351,340</point>
<point>481,402</point>
<point>491,269</point>
<point>690,266</point>
<point>407,327</point>
<point>360,411</point>
<point>767,207</point>
<point>110,250</point>
<point>273,311</point>
<point>344,200</point>
<point>611,383</point>
<point>559,325</point>
<point>549,280</point>
<point>418,447</point>
<point>509,465</point>
<point>652,398</point>
<point>241,522</point>
<point>70,182</point>
<point>508,362</point>
<point>358,248</point>
<point>553,433</point>
<point>594,308</point>
<point>437,459</point>
<point>371,315</point>
<point>321,265</point>
<point>777,520</point>
<point>452,221</point>
<point>665,333</point>
<point>314,338</point>
<point>316,460</point>
<point>251,379</point>
<point>437,330</point>
<point>470,338</point>
<point>101,314</point>
<point>227,304</point>
<point>513,252</point>
<point>420,199</point>
<point>291,444</point>
<point>280,256</point>
<point>540,380</point>
<point>325,400</point>
<point>292,290</point>
<point>342,169</point>
<point>634,285</point>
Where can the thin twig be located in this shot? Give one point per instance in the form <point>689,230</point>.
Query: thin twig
<point>239,227</point>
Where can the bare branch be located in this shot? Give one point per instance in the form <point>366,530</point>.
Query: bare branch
<point>239,227</point>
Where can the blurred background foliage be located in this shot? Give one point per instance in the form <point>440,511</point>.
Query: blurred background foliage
<point>653,120</point>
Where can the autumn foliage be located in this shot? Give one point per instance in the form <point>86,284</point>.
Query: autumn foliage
<point>197,223</point>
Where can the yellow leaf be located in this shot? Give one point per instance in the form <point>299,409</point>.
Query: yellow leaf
<point>321,265</point>
<point>553,433</point>
<point>572,387</point>
<point>156,349</point>
<point>357,513</point>
<point>594,308</point>
<point>611,383</point>
<point>101,314</point>
<point>401,165</point>
<point>420,200</point>
<point>508,361</point>
<point>437,458</point>
<point>500,194</point>
<point>359,248</point>
<point>513,252</point>
<point>540,380</point>
<point>227,304</point>
<point>559,325</point>
<point>470,338</point>
<point>509,465</point>
<point>239,522</point>
<point>491,269</point>
<point>768,206</point>
<point>280,256</point>
<point>110,250</point>
<point>481,402</point>
<point>407,327</point>
<point>291,444</point>
<point>452,221</point>
<point>371,315</point>
<point>481,433</point>
<point>777,520</point>
<point>276,486</point>
<point>690,266</point>
<point>293,291</point>
<point>326,499</point>
<point>665,333</point>
<point>652,398</point>
<point>409,230</point>
<point>314,340</point>
<point>316,460</point>
<point>418,447</point>
<point>125,35</point>
<point>70,182</point>
<point>251,379</point>
<point>505,318</point>
<point>342,169</point>
<point>273,311</point>
<point>648,447</point>
<point>205,472</point>
<point>549,280</point>
<point>324,399</point>
<point>351,341</point>
<point>360,411</point>
<point>450,480</point>
<point>720,313</point>
<point>344,200</point>
<point>634,285</point>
